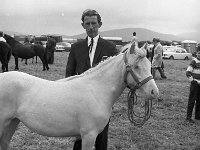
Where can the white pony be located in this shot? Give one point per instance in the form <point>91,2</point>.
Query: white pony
<point>78,106</point>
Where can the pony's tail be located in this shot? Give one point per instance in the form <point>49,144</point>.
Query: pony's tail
<point>46,55</point>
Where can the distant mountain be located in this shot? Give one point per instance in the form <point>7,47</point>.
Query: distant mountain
<point>191,36</point>
<point>142,34</point>
<point>13,33</point>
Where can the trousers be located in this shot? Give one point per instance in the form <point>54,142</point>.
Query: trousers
<point>162,74</point>
<point>194,100</point>
<point>101,140</point>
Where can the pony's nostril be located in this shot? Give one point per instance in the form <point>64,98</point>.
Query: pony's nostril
<point>154,93</point>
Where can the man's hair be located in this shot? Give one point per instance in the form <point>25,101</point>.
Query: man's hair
<point>90,12</point>
<point>156,39</point>
<point>134,33</point>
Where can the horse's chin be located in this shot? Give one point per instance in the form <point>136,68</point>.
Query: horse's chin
<point>151,90</point>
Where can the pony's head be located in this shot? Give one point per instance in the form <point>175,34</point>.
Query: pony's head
<point>138,71</point>
<point>7,37</point>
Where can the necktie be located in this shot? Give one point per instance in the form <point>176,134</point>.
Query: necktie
<point>91,45</point>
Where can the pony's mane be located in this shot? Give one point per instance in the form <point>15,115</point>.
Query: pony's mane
<point>99,65</point>
<point>8,36</point>
<point>125,48</point>
<point>138,51</point>
<point>68,78</point>
<point>141,52</point>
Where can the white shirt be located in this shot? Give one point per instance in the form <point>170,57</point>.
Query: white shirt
<point>91,55</point>
<point>2,39</point>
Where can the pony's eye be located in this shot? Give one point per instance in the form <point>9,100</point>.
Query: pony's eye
<point>136,67</point>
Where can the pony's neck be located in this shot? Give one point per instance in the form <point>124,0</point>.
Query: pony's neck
<point>108,79</point>
<point>12,42</point>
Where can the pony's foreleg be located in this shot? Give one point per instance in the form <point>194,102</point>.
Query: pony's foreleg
<point>88,141</point>
<point>45,64</point>
<point>6,67</point>
<point>3,68</point>
<point>16,63</point>
<point>7,133</point>
<point>4,62</point>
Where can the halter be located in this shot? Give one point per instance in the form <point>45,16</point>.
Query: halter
<point>132,97</point>
<point>129,70</point>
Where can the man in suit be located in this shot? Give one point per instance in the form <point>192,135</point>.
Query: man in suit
<point>86,54</point>
<point>50,47</point>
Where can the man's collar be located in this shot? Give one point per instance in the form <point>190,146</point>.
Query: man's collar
<point>95,39</point>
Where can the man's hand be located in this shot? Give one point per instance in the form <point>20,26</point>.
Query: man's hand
<point>191,79</point>
<point>198,81</point>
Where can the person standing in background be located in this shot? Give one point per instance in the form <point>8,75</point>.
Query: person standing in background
<point>157,60</point>
<point>26,40</point>
<point>134,39</point>
<point>198,47</point>
<point>51,48</point>
<point>193,74</point>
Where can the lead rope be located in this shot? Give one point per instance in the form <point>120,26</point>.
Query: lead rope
<point>133,117</point>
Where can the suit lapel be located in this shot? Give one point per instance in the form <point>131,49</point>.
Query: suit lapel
<point>98,51</point>
<point>86,53</point>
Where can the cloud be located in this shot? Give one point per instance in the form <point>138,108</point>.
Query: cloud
<point>64,16</point>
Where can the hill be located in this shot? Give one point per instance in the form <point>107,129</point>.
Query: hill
<point>13,33</point>
<point>142,34</point>
<point>191,36</point>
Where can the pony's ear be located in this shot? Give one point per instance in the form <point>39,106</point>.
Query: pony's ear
<point>145,45</point>
<point>143,50</point>
<point>132,49</point>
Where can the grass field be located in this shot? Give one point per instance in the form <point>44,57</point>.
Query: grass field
<point>165,130</point>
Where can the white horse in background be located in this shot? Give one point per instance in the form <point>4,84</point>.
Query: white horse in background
<point>78,106</point>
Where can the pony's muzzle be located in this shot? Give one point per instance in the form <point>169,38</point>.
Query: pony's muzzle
<point>154,93</point>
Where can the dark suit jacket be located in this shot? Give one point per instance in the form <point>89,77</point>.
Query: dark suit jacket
<point>78,60</point>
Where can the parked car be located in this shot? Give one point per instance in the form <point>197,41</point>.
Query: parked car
<point>177,53</point>
<point>165,48</point>
<point>63,46</point>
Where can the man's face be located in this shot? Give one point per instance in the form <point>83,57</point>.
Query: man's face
<point>91,25</point>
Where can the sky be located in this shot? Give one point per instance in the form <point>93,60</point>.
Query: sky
<point>39,17</point>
